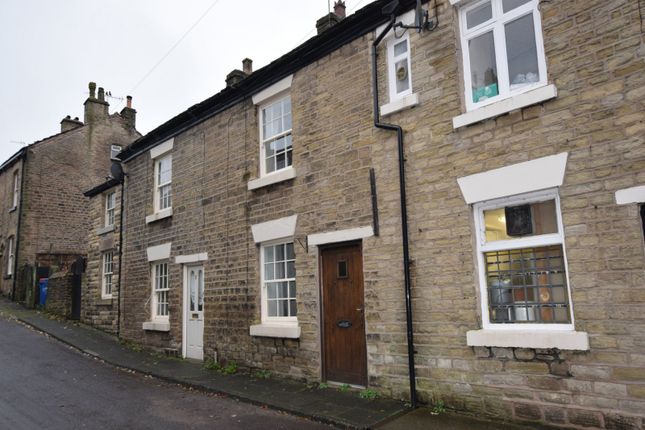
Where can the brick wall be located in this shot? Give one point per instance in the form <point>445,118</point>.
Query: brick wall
<point>8,222</point>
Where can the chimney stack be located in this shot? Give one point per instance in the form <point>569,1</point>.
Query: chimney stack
<point>69,124</point>
<point>96,109</point>
<point>129,114</point>
<point>236,76</point>
<point>332,18</point>
<point>339,9</point>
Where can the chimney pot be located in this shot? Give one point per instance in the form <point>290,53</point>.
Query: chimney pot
<point>101,94</point>
<point>128,101</point>
<point>339,9</point>
<point>92,87</point>
<point>247,66</point>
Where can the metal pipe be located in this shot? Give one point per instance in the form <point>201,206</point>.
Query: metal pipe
<point>118,307</point>
<point>23,169</point>
<point>404,213</point>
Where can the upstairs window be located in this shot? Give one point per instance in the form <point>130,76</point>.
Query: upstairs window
<point>163,183</point>
<point>114,151</point>
<point>398,55</point>
<point>502,47</point>
<point>110,205</point>
<point>16,189</point>
<point>523,267</point>
<point>275,134</point>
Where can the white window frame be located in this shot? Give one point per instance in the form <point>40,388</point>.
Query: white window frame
<point>158,185</point>
<point>16,188</point>
<point>527,242</point>
<point>107,275</point>
<point>154,302</point>
<point>263,141</point>
<point>114,151</point>
<point>266,319</point>
<point>496,24</point>
<point>391,65</point>
<point>10,255</point>
<point>110,211</point>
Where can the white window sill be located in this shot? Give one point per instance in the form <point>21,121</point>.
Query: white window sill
<point>13,209</point>
<point>106,297</point>
<point>288,331</point>
<point>156,326</point>
<point>272,178</point>
<point>164,213</point>
<point>103,230</point>
<point>543,339</point>
<point>501,107</point>
<point>400,104</point>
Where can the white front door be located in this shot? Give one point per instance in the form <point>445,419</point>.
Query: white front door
<point>194,312</point>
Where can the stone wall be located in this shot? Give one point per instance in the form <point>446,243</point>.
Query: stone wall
<point>594,52</point>
<point>8,223</point>
<point>59,294</point>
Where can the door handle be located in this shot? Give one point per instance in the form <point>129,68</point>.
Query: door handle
<point>360,309</point>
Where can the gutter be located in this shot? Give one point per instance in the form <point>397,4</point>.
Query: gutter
<point>17,244</point>
<point>404,212</point>
<point>118,302</point>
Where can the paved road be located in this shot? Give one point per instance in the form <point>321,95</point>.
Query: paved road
<point>46,385</point>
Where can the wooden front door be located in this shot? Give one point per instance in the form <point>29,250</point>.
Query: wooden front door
<point>344,350</point>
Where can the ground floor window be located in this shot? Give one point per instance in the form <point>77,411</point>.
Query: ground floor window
<point>106,287</point>
<point>521,250</point>
<point>279,282</point>
<point>160,291</point>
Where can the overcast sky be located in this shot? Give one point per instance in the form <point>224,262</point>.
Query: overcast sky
<point>50,50</point>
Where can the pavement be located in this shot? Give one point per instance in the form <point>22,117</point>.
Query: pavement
<point>327,405</point>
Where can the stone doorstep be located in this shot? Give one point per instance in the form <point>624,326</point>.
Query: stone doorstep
<point>317,407</point>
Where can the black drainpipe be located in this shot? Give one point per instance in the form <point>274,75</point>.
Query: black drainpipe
<point>118,302</point>
<point>23,170</point>
<point>404,212</point>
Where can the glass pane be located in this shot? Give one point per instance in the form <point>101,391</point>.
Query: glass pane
<point>279,253</point>
<point>280,161</point>
<point>193,290</point>
<point>521,221</point>
<point>283,308</point>
<point>268,254</point>
<point>165,170</point>
<point>283,290</point>
<point>401,48</point>
<point>479,15</point>
<point>512,4</point>
<point>293,311</point>
<point>402,76</point>
<point>272,308</point>
<point>279,270</point>
<point>268,271</point>
<point>291,269</point>
<point>272,290</point>
<point>483,68</point>
<point>291,255</point>
<point>200,284</point>
<point>522,52</point>
<point>292,289</point>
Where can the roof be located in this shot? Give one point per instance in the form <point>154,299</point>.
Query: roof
<point>12,159</point>
<point>110,183</point>
<point>354,26</point>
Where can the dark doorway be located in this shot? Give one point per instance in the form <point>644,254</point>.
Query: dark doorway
<point>78,268</point>
<point>344,346</point>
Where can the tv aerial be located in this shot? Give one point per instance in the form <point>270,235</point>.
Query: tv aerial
<point>421,17</point>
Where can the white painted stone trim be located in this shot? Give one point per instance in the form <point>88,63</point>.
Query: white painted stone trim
<point>460,2</point>
<point>287,331</point>
<point>509,104</point>
<point>272,178</point>
<point>156,326</point>
<point>406,18</point>
<point>520,178</point>
<point>545,339</point>
<point>159,252</point>
<point>164,213</point>
<point>631,195</point>
<point>275,229</point>
<point>399,104</point>
<point>103,230</point>
<point>277,88</point>
<point>162,148</point>
<point>340,236</point>
<point>192,258</point>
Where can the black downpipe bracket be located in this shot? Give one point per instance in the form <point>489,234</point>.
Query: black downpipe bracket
<point>404,212</point>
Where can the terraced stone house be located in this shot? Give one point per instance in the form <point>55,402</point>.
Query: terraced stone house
<point>452,214</point>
